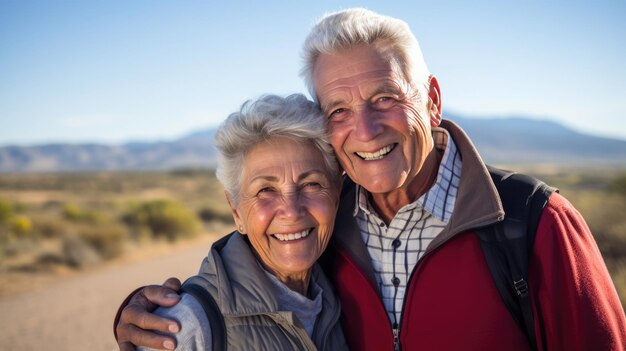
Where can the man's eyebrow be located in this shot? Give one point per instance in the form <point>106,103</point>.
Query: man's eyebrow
<point>387,88</point>
<point>331,104</point>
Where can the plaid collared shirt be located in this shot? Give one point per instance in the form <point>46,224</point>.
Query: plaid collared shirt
<point>395,249</point>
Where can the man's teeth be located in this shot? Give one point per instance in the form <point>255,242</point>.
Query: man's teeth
<point>369,156</point>
<point>293,236</point>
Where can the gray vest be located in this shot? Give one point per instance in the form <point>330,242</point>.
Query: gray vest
<point>244,294</point>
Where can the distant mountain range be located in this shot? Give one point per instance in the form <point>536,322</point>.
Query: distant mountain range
<point>499,140</point>
<point>195,150</point>
<point>520,140</point>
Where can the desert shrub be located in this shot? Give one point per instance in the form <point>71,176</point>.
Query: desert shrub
<point>6,238</point>
<point>15,236</point>
<point>603,212</point>
<point>50,227</point>
<point>618,185</point>
<point>78,253</point>
<point>16,247</point>
<point>6,210</point>
<point>208,214</point>
<point>73,212</point>
<point>611,238</point>
<point>19,207</point>
<point>48,260</point>
<point>107,240</point>
<point>21,226</point>
<point>164,218</point>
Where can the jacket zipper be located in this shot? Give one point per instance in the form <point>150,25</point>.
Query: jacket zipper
<point>396,339</point>
<point>396,331</point>
<point>408,284</point>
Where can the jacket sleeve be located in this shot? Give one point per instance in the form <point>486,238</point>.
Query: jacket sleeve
<point>574,300</point>
<point>195,330</point>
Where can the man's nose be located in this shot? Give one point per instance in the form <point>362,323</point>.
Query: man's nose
<point>367,124</point>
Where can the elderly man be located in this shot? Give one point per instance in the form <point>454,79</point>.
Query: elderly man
<point>406,262</point>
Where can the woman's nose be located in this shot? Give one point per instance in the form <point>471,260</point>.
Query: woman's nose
<point>291,206</point>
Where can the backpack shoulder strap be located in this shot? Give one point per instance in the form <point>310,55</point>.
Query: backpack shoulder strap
<point>507,245</point>
<point>195,288</point>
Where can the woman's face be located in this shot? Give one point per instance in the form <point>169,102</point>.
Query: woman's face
<point>287,206</point>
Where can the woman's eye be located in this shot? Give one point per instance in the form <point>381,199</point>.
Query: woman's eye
<point>265,190</point>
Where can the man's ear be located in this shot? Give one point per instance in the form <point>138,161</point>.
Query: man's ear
<point>434,97</point>
<point>235,213</point>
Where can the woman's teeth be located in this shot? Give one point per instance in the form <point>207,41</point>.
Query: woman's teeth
<point>293,236</point>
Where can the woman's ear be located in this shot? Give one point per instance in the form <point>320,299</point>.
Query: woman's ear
<point>235,213</point>
<point>435,107</point>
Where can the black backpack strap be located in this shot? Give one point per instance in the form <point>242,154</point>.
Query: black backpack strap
<point>212,311</point>
<point>507,245</point>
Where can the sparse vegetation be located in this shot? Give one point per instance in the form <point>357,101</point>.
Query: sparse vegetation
<point>6,211</point>
<point>82,219</point>
<point>618,185</point>
<point>108,241</point>
<point>77,253</point>
<point>74,213</point>
<point>163,218</point>
<point>210,213</point>
<point>21,226</point>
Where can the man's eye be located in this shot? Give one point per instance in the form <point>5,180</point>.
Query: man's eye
<point>384,102</point>
<point>337,112</point>
<point>311,187</point>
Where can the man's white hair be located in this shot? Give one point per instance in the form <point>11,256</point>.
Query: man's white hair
<point>342,30</point>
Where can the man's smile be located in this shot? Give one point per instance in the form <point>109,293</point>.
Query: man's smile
<point>376,155</point>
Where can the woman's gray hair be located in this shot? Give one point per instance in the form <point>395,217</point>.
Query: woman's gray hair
<point>270,116</point>
<point>342,30</point>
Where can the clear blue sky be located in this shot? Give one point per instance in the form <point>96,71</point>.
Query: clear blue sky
<point>119,70</point>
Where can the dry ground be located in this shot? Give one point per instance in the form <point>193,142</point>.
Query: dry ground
<point>75,311</point>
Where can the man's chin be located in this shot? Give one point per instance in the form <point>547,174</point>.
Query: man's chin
<point>382,185</point>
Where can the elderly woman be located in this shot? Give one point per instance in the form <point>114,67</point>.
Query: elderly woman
<point>282,183</point>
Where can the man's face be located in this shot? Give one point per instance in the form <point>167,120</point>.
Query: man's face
<point>379,128</point>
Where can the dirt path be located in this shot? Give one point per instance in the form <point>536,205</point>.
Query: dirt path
<point>76,313</point>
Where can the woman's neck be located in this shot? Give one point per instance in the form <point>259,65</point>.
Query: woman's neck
<point>298,282</point>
